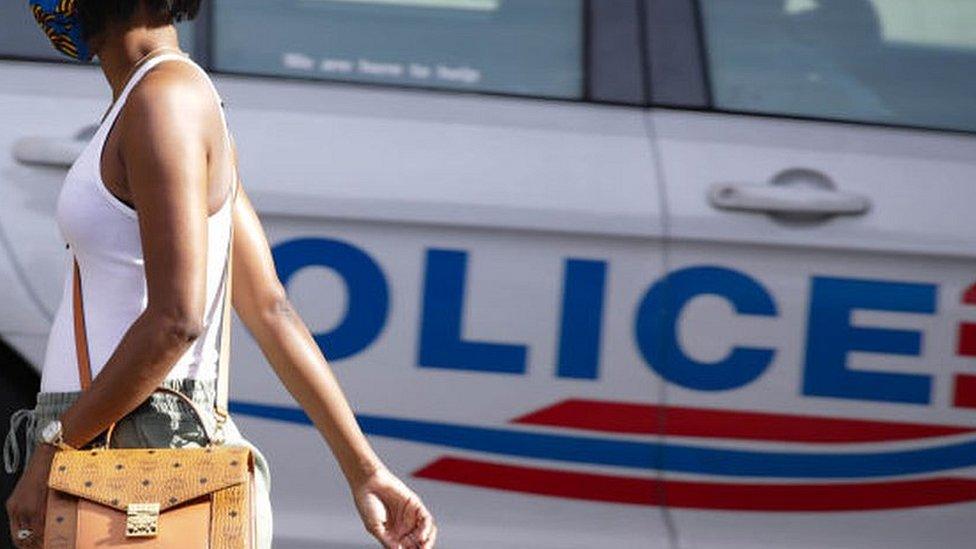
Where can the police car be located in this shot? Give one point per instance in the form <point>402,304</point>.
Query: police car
<point>621,273</point>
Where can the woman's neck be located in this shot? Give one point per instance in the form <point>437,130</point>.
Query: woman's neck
<point>122,48</point>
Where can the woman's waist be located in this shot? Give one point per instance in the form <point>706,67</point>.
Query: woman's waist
<point>200,391</point>
<point>60,376</point>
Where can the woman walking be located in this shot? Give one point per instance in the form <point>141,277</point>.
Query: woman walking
<point>146,210</point>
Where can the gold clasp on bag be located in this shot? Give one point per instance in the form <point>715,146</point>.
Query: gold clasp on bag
<point>142,519</point>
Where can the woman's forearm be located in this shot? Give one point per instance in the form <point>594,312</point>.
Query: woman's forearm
<point>291,350</point>
<point>140,362</point>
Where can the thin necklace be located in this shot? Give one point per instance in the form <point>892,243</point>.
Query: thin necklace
<point>132,71</point>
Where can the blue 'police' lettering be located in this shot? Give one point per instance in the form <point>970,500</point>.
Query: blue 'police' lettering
<point>368,298</point>
<point>830,337</point>
<point>582,315</point>
<point>656,328</point>
<point>441,345</point>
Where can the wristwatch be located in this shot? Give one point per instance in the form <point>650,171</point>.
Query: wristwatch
<point>52,434</point>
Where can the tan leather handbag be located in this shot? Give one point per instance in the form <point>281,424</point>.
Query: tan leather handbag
<point>187,498</point>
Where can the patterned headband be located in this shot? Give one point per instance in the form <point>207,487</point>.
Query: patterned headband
<point>59,21</point>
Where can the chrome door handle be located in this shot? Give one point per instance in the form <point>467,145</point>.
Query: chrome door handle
<point>50,152</point>
<point>786,199</point>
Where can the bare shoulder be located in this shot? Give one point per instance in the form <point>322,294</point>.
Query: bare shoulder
<point>172,93</point>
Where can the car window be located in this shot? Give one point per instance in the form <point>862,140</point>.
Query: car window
<point>902,62</point>
<point>524,47</point>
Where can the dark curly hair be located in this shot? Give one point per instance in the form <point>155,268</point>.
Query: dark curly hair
<point>95,15</point>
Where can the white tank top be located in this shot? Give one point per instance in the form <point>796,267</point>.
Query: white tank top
<point>103,232</point>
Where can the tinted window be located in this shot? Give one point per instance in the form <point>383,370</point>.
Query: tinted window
<point>905,62</point>
<point>530,47</point>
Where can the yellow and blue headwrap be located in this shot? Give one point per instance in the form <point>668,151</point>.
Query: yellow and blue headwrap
<point>60,22</point>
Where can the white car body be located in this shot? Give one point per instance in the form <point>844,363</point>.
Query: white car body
<point>574,325</point>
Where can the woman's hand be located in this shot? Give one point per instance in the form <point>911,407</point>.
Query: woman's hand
<point>26,505</point>
<point>393,513</point>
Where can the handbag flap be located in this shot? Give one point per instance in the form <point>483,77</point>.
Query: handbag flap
<point>117,477</point>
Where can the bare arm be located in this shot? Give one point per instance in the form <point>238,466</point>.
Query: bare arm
<point>262,303</point>
<point>163,149</point>
<point>391,512</point>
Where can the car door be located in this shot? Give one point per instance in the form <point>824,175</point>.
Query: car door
<point>468,262</point>
<point>818,159</point>
<point>466,224</point>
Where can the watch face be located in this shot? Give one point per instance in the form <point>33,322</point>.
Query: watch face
<point>50,431</point>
